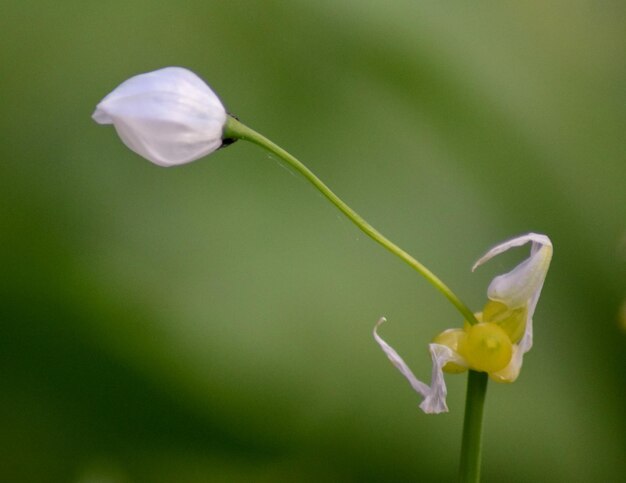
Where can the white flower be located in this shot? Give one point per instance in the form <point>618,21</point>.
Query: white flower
<point>504,334</point>
<point>169,116</point>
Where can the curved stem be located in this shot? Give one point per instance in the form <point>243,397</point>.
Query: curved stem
<point>471,447</point>
<point>236,130</point>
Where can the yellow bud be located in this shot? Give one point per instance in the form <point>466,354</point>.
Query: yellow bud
<point>513,322</point>
<point>451,338</point>
<point>487,347</point>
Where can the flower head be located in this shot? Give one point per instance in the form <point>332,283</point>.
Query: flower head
<point>496,344</point>
<point>169,116</point>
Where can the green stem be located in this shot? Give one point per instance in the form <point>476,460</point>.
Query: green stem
<point>236,130</point>
<point>471,447</point>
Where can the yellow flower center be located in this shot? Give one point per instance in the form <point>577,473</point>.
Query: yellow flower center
<point>487,347</point>
<point>512,321</point>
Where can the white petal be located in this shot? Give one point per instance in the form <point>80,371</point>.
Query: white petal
<point>514,242</point>
<point>169,116</point>
<point>173,80</point>
<point>520,287</point>
<point>524,282</point>
<point>434,395</point>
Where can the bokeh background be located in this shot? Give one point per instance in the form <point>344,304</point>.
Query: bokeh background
<point>213,322</point>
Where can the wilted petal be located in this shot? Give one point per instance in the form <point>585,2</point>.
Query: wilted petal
<point>520,287</point>
<point>525,281</point>
<point>434,395</point>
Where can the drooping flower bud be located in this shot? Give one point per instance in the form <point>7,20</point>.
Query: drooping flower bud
<point>169,116</point>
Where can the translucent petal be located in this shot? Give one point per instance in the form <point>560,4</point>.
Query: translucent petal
<point>520,287</point>
<point>524,282</point>
<point>434,396</point>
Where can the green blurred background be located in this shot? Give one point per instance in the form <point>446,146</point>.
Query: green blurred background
<point>213,322</point>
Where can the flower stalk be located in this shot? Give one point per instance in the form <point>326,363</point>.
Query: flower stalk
<point>234,129</point>
<point>471,446</point>
<point>477,381</point>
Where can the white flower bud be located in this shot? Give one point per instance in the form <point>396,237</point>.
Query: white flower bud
<point>169,116</point>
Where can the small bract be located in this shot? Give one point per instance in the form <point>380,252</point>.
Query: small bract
<point>169,116</point>
<point>497,344</point>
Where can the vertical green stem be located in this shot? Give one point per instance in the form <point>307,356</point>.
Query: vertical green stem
<point>236,130</point>
<point>471,446</point>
